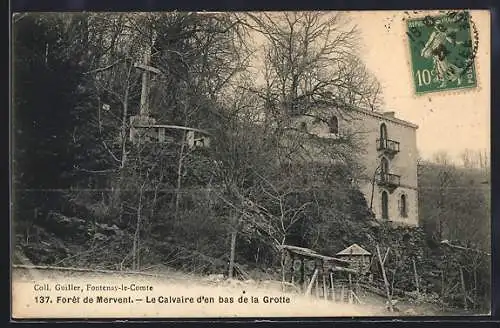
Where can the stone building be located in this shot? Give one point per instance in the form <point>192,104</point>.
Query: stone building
<point>389,158</point>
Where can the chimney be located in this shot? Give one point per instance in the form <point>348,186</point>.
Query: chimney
<point>388,114</point>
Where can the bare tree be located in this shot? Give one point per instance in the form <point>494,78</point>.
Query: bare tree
<point>195,58</point>
<point>483,159</point>
<point>310,61</point>
<point>468,159</point>
<point>310,69</point>
<point>475,159</point>
<point>442,157</point>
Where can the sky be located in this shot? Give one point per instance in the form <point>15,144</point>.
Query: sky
<point>450,122</point>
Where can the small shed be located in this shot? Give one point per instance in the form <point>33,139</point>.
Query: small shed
<point>315,270</point>
<point>358,256</point>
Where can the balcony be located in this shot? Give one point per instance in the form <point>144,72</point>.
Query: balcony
<point>388,180</point>
<point>389,147</point>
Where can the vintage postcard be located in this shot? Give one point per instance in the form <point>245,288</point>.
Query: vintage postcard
<point>250,164</point>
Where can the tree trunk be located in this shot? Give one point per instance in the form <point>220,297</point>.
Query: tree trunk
<point>124,119</point>
<point>475,287</point>
<point>386,282</point>
<point>123,136</point>
<point>179,174</point>
<point>233,253</point>
<point>373,187</point>
<point>155,196</point>
<point>311,283</point>
<point>417,285</point>
<point>123,132</point>
<point>283,264</point>
<point>136,246</point>
<point>464,290</point>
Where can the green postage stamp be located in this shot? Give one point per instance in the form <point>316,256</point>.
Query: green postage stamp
<point>442,50</point>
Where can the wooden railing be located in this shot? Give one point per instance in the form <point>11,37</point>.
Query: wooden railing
<point>389,179</point>
<point>388,145</point>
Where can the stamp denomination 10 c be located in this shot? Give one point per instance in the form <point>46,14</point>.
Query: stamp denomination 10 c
<point>442,51</point>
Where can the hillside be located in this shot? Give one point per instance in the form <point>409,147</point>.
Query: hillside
<point>219,189</point>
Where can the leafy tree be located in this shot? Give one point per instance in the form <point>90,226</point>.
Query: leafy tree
<point>49,55</point>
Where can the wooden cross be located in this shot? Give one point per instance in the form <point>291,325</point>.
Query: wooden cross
<point>144,111</point>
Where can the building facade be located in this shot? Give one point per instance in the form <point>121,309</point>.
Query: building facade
<point>389,158</point>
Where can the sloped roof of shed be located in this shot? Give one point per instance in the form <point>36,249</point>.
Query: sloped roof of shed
<point>354,249</point>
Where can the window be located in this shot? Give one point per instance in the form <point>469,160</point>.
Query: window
<point>385,205</point>
<point>403,206</point>
<point>384,168</point>
<point>383,135</point>
<point>383,131</point>
<point>334,125</point>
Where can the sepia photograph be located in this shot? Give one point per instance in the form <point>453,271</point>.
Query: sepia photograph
<point>250,164</point>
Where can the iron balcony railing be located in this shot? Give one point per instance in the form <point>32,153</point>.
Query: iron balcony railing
<point>388,145</point>
<point>389,179</point>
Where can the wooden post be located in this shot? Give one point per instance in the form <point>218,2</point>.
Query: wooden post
<point>144,110</point>
<point>442,289</point>
<point>386,282</point>
<point>284,256</point>
<point>350,289</point>
<point>356,298</point>
<point>302,274</point>
<point>292,271</point>
<point>464,291</point>
<point>417,285</point>
<point>161,135</point>
<point>232,254</point>
<point>317,286</point>
<point>333,286</point>
<point>325,290</point>
<point>313,279</point>
<point>342,295</point>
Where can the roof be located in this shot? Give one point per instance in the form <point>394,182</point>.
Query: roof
<point>299,250</point>
<point>384,116</point>
<point>311,254</point>
<point>354,249</point>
